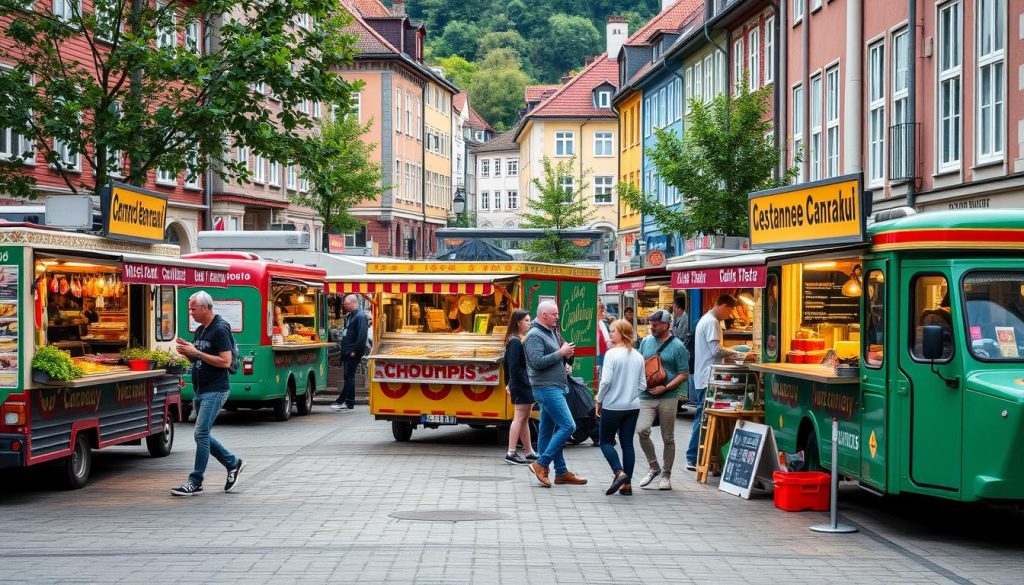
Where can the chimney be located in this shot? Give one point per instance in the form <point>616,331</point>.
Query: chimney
<point>398,7</point>
<point>665,4</point>
<point>617,33</point>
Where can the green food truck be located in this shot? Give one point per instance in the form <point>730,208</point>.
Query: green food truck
<point>277,314</point>
<point>909,332</point>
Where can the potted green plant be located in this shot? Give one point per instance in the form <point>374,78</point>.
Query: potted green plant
<point>52,364</point>
<point>138,358</point>
<point>170,361</point>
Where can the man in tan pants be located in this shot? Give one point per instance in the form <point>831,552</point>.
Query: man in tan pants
<point>662,400</point>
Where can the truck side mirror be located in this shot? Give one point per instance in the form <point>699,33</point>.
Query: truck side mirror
<point>932,344</point>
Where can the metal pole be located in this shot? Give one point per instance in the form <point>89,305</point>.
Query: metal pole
<point>834,527</point>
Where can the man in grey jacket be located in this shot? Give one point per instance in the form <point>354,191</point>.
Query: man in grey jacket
<point>548,361</point>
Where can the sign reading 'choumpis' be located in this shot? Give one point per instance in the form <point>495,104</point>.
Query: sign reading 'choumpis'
<point>134,214</point>
<point>826,212</point>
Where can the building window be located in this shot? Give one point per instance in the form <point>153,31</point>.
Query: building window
<point>259,168</point>
<point>356,239</point>
<point>513,199</point>
<point>991,78</point>
<point>565,143</point>
<point>291,177</point>
<point>671,105</point>
<point>900,93</point>
<point>832,121</point>
<point>709,79</point>
<point>396,184</point>
<point>512,167</point>
<point>604,100</point>
<point>769,50</point>
<point>568,188</point>
<point>106,19</point>
<point>677,106</point>
<point>603,189</point>
<point>485,200</point>
<point>165,177</point>
<point>192,169</point>
<point>165,34</point>
<point>485,167</point>
<point>497,200</point>
<point>698,80</point>
<point>242,156</point>
<point>193,41</point>
<point>66,9</point>
<point>737,62</point>
<point>654,112</point>
<point>688,90</point>
<point>815,4</point>
<point>398,112</point>
<point>603,144</point>
<point>67,157</point>
<point>497,167</point>
<point>646,115</point>
<point>950,33</point>
<point>663,107</point>
<point>754,59</point>
<point>798,128</point>
<point>798,10</point>
<point>876,113</point>
<point>274,177</point>
<point>814,152</point>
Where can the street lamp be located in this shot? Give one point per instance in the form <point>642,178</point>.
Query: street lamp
<point>459,204</point>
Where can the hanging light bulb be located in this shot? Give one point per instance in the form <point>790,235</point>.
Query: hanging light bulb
<point>852,287</point>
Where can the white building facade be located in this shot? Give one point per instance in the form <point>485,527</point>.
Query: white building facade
<point>499,201</point>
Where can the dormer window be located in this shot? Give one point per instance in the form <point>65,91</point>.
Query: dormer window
<point>655,51</point>
<point>603,99</point>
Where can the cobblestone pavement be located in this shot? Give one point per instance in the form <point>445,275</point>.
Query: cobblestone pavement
<point>315,505</point>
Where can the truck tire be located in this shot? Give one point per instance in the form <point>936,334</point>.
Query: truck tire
<point>305,404</point>
<point>76,467</point>
<point>401,430</point>
<point>186,411</point>
<point>160,444</point>
<point>812,461</point>
<point>283,405</point>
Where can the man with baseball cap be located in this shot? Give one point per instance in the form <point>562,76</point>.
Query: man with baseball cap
<point>661,401</point>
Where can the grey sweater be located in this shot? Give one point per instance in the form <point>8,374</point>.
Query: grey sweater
<point>543,364</point>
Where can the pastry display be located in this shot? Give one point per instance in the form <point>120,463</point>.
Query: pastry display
<point>8,309</point>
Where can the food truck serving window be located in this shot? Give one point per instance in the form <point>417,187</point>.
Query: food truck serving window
<point>295,310</point>
<point>874,335</point>
<point>165,326</point>
<point>445,313</point>
<point>994,312</point>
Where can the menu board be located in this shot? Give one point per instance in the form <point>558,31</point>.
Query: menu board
<point>823,300</point>
<point>8,326</point>
<point>746,458</point>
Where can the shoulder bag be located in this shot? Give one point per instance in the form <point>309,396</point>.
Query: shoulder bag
<point>655,370</point>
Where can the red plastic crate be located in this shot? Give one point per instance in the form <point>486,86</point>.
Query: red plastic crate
<point>796,491</point>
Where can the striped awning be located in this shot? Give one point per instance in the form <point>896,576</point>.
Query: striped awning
<point>414,283</point>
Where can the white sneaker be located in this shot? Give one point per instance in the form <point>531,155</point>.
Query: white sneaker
<point>336,406</point>
<point>665,483</point>
<point>651,475</point>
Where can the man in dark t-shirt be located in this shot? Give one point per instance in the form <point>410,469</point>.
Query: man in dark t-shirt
<point>210,352</point>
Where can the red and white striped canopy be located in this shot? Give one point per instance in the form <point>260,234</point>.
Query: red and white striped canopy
<point>413,283</point>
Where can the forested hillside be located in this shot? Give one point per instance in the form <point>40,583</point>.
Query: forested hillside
<point>494,48</point>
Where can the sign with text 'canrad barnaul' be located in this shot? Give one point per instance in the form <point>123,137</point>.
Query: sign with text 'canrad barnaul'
<point>833,211</point>
<point>134,214</point>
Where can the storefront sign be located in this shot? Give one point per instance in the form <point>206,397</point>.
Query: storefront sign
<point>130,213</point>
<point>482,374</point>
<point>335,244</point>
<point>655,258</point>
<point>729,277</point>
<point>624,286</point>
<point>142,273</point>
<point>825,212</point>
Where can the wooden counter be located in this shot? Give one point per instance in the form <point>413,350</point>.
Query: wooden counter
<point>97,379</point>
<point>301,346</point>
<point>425,360</point>
<point>814,373</point>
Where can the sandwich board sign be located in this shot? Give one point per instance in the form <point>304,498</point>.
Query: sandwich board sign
<point>748,459</point>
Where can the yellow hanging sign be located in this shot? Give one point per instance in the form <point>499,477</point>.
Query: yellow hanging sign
<point>825,212</point>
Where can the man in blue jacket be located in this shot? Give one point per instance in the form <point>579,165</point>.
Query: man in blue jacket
<point>353,346</point>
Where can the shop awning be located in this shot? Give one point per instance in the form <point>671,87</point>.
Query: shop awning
<point>623,285</point>
<point>152,269</point>
<point>474,284</point>
<point>746,269</point>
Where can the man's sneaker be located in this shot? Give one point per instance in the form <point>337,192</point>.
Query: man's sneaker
<point>651,475</point>
<point>337,406</point>
<point>541,473</point>
<point>570,478</point>
<point>233,476</point>
<point>691,467</point>
<point>187,489</point>
<point>516,459</point>
<point>665,483</point>
<point>532,457</point>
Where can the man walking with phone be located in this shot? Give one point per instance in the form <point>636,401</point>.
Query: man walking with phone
<point>548,361</point>
<point>211,355</point>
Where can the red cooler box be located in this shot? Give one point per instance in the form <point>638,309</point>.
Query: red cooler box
<point>796,491</point>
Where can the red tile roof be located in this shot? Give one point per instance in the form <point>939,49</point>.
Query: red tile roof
<point>370,8</point>
<point>459,101</point>
<point>248,200</point>
<point>477,122</point>
<point>575,99</point>
<point>669,20</point>
<point>536,93</point>
<point>368,40</point>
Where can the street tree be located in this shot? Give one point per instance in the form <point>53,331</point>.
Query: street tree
<point>561,204</point>
<point>118,88</point>
<point>498,88</point>
<point>344,174</point>
<point>722,158</point>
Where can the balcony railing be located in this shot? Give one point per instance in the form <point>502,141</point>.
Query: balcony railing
<point>901,163</point>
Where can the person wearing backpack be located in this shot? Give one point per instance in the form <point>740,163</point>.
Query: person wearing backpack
<point>667,359</point>
<point>214,354</point>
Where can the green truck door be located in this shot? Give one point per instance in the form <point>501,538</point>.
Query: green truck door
<point>933,421</point>
<point>877,298</point>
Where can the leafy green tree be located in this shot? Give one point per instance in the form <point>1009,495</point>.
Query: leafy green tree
<point>503,40</point>
<point>459,38</point>
<point>723,157</point>
<point>129,105</point>
<point>345,175</point>
<point>464,220</point>
<point>498,88</point>
<point>566,44</point>
<point>458,70</point>
<point>561,204</point>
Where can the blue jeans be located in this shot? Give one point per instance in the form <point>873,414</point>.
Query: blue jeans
<point>556,426</point>
<point>207,406</point>
<point>348,389</point>
<point>622,422</point>
<point>698,413</point>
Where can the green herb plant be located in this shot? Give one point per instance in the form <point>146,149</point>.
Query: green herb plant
<point>56,363</point>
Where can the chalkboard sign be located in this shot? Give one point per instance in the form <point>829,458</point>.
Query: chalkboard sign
<point>746,460</point>
<point>823,299</point>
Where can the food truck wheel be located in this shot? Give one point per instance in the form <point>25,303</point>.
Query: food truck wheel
<point>401,430</point>
<point>283,405</point>
<point>159,445</point>
<point>78,465</point>
<point>305,404</point>
<point>812,461</point>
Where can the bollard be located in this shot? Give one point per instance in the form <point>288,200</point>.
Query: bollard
<point>834,527</point>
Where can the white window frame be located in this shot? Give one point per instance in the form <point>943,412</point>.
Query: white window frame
<point>816,119</point>
<point>678,84</point>
<point>671,102</point>
<point>604,99</point>
<point>688,90</point>
<point>64,153</point>
<point>815,5</point>
<point>512,167</point>
<point>568,186</point>
<point>242,156</point>
<point>398,112</point>
<point>663,106</point>
<point>497,201</point>
<point>259,168</point>
<point>899,56</point>
<point>833,144</point>
<point>303,183</point>
<point>709,79</point>
<point>485,167</point>
<point>291,177</point>
<point>193,40</point>
<point>876,113</point>
<point>654,111</point>
<point>497,167</point>
<point>115,158</point>
<point>485,201</point>
<point>396,184</point>
<point>513,199</point>
<point>698,82</point>
<point>63,10</point>
<point>798,128</point>
<point>356,105</point>
<point>167,36</point>
<point>604,144</point>
<point>565,143</point>
<point>603,189</point>
<point>990,75</point>
<point>647,117</point>
<point>274,176</point>
<point>754,58</point>
<point>192,170</point>
<point>949,71</point>
<point>798,10</point>
<point>738,60</point>
<point>166,177</point>
<point>105,12</point>
<point>769,50</point>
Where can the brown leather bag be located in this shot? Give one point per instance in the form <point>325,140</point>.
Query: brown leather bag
<point>654,369</point>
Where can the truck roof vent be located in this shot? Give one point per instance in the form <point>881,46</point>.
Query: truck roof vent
<point>891,214</point>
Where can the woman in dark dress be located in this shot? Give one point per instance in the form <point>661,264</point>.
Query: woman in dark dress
<point>518,387</point>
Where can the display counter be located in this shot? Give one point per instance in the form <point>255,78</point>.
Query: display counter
<point>97,379</point>
<point>300,346</point>
<point>814,373</point>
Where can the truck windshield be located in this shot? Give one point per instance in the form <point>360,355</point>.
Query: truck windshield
<point>994,303</point>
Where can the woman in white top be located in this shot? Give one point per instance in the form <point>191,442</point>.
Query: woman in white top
<point>618,404</point>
